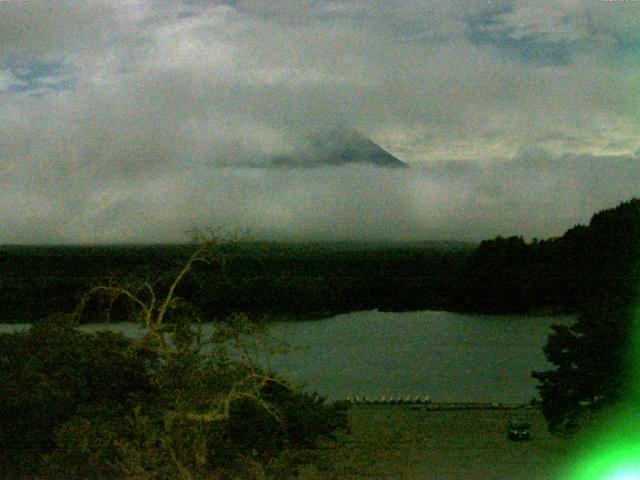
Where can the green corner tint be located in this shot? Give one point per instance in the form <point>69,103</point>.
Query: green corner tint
<point>612,450</point>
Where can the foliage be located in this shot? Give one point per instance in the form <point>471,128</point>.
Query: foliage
<point>171,404</point>
<point>591,366</point>
<point>51,372</point>
<point>591,357</point>
<point>259,278</point>
<point>588,264</point>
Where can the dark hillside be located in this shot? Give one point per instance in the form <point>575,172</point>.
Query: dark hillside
<point>310,280</point>
<point>259,278</point>
<point>583,266</point>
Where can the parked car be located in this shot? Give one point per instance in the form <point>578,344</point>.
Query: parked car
<point>519,430</point>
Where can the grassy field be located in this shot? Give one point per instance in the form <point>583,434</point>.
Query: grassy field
<point>400,442</point>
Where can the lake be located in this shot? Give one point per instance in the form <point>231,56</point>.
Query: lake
<point>446,356</point>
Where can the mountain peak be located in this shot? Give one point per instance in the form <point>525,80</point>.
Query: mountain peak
<point>338,147</point>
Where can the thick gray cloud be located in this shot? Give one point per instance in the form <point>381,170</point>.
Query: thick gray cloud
<point>135,120</point>
<point>534,194</point>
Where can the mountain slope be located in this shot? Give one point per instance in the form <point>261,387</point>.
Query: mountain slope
<point>338,147</point>
<point>589,264</point>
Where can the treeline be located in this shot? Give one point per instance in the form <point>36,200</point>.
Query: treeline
<point>595,359</point>
<point>38,281</point>
<point>587,265</point>
<point>298,280</point>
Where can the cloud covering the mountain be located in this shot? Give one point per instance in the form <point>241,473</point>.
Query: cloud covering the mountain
<point>132,120</point>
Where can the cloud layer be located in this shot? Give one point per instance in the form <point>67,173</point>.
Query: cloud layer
<point>136,120</point>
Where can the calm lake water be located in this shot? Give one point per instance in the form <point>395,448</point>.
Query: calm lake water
<point>447,356</point>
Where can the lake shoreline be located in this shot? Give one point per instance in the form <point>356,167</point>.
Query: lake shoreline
<point>447,357</point>
<point>315,315</point>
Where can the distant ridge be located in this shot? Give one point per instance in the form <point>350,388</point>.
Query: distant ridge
<point>338,147</point>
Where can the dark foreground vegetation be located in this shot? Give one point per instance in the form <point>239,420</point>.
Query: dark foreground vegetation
<point>170,405</point>
<point>76,405</point>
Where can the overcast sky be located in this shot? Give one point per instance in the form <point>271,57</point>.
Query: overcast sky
<point>133,121</point>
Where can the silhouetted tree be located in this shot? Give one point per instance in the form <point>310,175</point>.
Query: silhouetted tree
<point>592,356</point>
<point>591,359</point>
<point>174,403</point>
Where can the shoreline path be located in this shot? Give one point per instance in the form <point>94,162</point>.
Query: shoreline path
<point>401,442</point>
